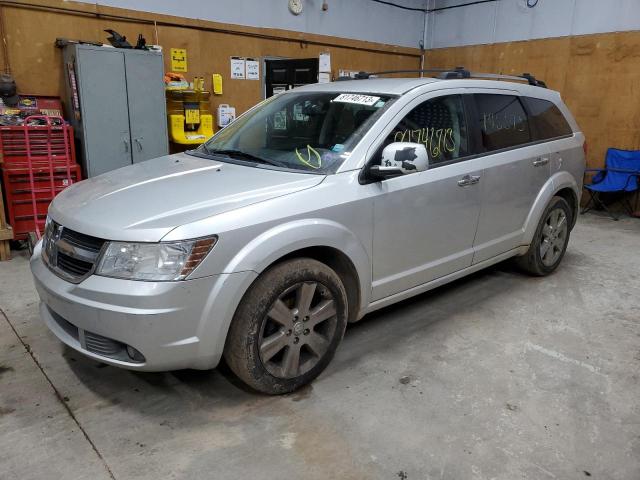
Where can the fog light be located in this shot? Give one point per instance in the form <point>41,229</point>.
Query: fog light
<point>134,354</point>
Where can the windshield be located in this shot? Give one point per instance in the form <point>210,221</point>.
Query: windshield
<point>309,131</point>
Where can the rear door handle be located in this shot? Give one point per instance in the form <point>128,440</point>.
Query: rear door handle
<point>539,162</point>
<point>468,180</point>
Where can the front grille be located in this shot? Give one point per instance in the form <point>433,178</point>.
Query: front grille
<point>71,330</point>
<point>72,255</point>
<point>81,240</point>
<point>73,266</point>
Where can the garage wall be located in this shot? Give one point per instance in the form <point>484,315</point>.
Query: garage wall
<point>356,19</point>
<point>558,41</point>
<point>597,76</point>
<point>32,27</point>
<point>512,20</point>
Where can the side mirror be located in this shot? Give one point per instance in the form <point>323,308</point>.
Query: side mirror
<point>401,158</point>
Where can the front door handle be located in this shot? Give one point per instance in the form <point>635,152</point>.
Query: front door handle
<point>540,161</point>
<point>468,180</point>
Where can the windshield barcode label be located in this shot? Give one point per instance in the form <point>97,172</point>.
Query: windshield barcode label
<point>356,98</point>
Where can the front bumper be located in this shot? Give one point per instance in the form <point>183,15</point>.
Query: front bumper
<point>174,325</point>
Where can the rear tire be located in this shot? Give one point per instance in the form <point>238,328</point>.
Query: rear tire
<point>288,326</point>
<point>550,240</point>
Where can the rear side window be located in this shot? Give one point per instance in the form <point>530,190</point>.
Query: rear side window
<point>502,121</point>
<point>546,119</point>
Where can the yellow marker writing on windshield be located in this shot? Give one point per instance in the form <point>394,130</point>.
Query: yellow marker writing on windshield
<point>307,162</point>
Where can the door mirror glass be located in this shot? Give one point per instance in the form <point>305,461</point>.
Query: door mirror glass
<point>401,158</point>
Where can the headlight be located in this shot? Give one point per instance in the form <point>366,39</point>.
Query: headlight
<point>154,261</point>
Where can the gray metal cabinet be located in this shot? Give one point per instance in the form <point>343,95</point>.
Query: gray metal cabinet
<point>148,118</point>
<point>116,103</point>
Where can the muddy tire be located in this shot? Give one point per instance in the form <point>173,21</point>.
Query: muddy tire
<point>550,240</point>
<point>287,327</point>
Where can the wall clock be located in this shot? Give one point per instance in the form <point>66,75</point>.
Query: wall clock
<point>295,6</point>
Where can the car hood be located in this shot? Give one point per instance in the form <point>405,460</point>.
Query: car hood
<point>145,201</point>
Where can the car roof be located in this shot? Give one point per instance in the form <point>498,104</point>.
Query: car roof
<point>384,86</point>
<point>400,86</point>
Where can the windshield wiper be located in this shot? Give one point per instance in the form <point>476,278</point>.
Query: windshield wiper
<point>240,154</point>
<point>206,149</point>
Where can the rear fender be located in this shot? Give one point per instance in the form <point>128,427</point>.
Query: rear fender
<point>557,182</point>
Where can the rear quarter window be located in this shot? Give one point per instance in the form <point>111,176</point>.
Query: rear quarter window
<point>546,119</point>
<point>502,121</point>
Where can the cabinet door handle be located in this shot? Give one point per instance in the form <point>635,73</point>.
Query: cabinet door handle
<point>139,144</point>
<point>538,162</point>
<point>126,146</point>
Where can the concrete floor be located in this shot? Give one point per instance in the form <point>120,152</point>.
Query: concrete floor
<point>496,376</point>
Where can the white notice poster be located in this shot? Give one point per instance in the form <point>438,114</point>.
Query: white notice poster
<point>324,77</point>
<point>237,68</point>
<point>324,63</point>
<point>253,69</point>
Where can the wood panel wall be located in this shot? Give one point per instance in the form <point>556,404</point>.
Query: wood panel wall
<point>32,27</point>
<point>597,75</point>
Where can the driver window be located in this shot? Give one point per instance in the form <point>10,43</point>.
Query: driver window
<point>439,124</point>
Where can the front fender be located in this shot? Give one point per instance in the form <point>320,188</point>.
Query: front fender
<point>557,182</point>
<point>281,240</point>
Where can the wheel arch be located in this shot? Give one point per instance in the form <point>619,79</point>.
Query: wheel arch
<point>324,240</point>
<point>561,184</point>
<point>572,199</point>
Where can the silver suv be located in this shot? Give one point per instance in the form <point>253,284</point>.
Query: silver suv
<point>312,209</point>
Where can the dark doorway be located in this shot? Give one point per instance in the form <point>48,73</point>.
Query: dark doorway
<point>281,75</point>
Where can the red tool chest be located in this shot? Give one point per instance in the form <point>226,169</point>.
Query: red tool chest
<point>20,195</point>
<point>43,142</point>
<point>38,162</point>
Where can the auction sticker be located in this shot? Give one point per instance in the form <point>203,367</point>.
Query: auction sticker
<point>367,100</point>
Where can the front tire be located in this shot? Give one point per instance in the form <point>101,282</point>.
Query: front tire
<point>288,326</point>
<point>550,240</point>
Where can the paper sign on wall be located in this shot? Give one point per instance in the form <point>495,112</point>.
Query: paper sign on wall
<point>324,63</point>
<point>237,68</point>
<point>178,60</point>
<point>253,69</point>
<point>324,77</point>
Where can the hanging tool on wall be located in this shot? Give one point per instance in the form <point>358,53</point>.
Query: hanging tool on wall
<point>8,90</point>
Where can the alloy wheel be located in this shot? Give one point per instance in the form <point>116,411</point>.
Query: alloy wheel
<point>554,236</point>
<point>298,330</point>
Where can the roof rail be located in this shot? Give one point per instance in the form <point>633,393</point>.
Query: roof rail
<point>458,72</point>
<point>455,73</point>
<point>530,79</point>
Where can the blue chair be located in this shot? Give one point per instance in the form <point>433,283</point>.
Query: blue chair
<point>620,175</point>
